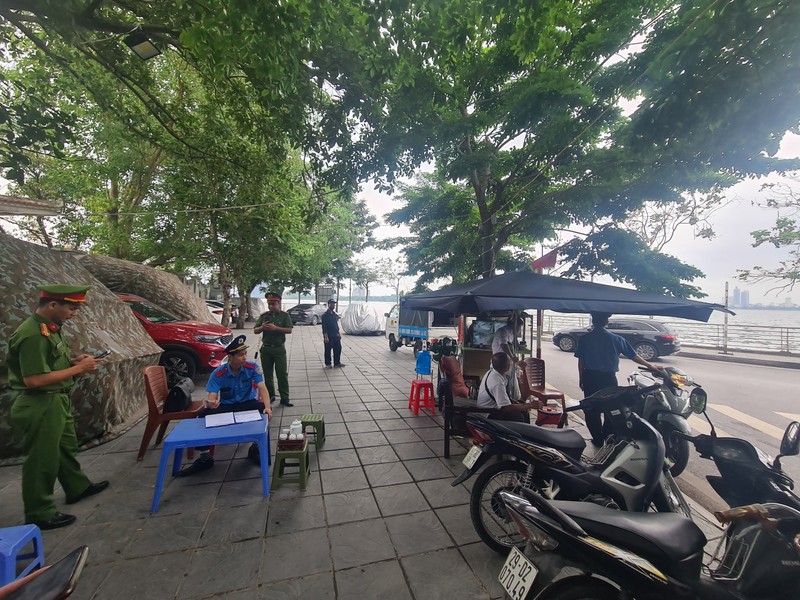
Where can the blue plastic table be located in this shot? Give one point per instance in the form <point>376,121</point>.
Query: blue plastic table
<point>190,433</point>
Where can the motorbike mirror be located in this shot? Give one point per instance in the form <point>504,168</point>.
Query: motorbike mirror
<point>698,400</point>
<point>790,444</point>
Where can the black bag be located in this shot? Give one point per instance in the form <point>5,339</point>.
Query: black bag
<point>180,396</point>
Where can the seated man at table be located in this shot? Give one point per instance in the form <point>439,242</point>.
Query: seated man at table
<point>235,385</point>
<point>493,393</point>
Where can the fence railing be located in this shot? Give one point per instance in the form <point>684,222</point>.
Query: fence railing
<point>755,338</point>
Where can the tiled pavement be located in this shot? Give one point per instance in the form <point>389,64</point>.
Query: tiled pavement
<point>379,518</point>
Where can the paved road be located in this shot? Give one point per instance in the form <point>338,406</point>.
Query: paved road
<point>753,402</point>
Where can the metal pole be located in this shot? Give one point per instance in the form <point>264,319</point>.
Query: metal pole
<point>725,325</point>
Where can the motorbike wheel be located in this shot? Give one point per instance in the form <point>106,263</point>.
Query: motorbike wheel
<point>669,498</point>
<point>393,345</point>
<point>585,591</point>
<point>489,515</point>
<point>677,451</point>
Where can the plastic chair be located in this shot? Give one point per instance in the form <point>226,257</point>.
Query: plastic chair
<point>532,383</point>
<point>155,382</point>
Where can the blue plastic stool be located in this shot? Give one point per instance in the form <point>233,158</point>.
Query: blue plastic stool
<point>12,541</point>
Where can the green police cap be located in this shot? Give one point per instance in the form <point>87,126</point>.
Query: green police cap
<point>64,292</point>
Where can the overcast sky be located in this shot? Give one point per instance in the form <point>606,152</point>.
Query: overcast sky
<point>719,258</point>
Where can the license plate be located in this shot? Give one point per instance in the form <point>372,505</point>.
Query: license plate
<point>472,456</point>
<point>517,575</point>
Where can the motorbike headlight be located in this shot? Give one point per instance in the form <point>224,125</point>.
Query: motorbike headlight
<point>679,379</point>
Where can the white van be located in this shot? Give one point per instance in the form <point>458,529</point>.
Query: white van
<point>412,328</point>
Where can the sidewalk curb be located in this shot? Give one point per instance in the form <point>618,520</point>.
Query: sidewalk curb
<point>746,360</point>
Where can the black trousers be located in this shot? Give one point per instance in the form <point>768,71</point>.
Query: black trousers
<point>594,381</point>
<point>334,346</point>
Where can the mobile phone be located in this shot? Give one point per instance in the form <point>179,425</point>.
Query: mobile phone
<point>102,354</point>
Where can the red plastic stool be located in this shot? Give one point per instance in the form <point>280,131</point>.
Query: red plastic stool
<point>421,395</point>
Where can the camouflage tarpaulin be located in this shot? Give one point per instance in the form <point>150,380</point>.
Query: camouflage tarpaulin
<point>103,399</point>
<point>160,287</point>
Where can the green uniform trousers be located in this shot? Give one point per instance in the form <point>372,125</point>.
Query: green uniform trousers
<point>275,356</point>
<point>47,426</point>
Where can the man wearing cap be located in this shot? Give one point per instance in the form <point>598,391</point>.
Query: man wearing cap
<point>233,386</point>
<point>331,337</point>
<point>598,362</point>
<point>275,325</point>
<point>42,373</point>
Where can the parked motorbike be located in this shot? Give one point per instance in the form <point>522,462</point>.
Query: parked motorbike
<point>629,472</point>
<point>667,409</point>
<point>582,551</point>
<point>746,474</point>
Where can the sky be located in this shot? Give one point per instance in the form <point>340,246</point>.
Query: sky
<point>718,258</point>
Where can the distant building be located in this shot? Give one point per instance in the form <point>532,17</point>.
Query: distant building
<point>737,297</point>
<point>745,299</point>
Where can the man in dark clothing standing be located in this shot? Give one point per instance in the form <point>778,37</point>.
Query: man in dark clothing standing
<point>331,336</point>
<point>598,362</point>
<point>275,325</point>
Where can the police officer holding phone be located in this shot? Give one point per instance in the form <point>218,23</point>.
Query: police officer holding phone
<point>42,373</point>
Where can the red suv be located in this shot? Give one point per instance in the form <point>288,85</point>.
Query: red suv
<point>189,347</point>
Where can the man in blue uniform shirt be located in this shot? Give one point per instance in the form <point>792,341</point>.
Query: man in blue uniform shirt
<point>331,336</point>
<point>598,362</point>
<point>234,386</point>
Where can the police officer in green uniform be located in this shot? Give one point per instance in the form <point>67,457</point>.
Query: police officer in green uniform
<point>274,325</point>
<point>42,373</point>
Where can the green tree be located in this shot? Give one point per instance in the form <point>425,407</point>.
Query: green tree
<point>784,198</point>
<point>519,106</point>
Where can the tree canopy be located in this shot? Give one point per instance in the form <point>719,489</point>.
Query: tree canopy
<point>255,125</point>
<point>519,110</point>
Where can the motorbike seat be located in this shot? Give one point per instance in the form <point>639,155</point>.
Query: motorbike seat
<point>670,541</point>
<point>565,439</point>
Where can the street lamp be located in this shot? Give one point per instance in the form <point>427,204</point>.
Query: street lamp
<point>141,45</point>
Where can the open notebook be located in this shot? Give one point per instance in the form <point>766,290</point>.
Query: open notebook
<point>220,419</point>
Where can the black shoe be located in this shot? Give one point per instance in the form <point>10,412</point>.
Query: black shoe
<point>339,365</point>
<point>56,521</point>
<point>272,399</point>
<point>94,488</point>
<point>253,455</point>
<point>201,464</point>
<point>286,403</point>
<point>328,367</point>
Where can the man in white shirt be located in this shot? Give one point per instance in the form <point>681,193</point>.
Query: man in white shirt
<point>493,392</point>
<point>505,341</point>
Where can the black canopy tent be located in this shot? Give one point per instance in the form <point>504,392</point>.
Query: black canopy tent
<point>522,290</point>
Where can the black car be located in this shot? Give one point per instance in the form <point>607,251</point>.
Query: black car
<point>650,339</point>
<point>307,313</point>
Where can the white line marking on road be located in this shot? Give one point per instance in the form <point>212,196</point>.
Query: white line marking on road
<point>700,425</point>
<point>790,416</point>
<point>762,426</point>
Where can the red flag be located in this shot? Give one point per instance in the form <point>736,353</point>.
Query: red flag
<point>548,261</point>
